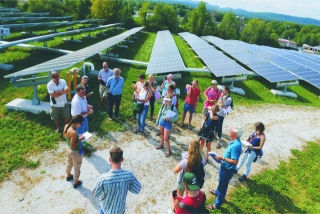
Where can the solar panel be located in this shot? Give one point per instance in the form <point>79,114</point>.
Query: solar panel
<point>65,61</point>
<point>165,56</point>
<point>214,59</point>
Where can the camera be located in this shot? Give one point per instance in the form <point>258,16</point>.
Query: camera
<point>165,77</point>
<point>134,82</point>
<point>174,194</point>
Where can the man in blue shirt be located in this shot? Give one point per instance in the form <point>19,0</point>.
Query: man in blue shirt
<point>228,166</point>
<point>115,84</point>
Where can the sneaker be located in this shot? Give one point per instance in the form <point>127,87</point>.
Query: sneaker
<point>182,124</point>
<point>78,184</point>
<point>109,118</point>
<point>236,172</point>
<point>243,178</point>
<point>70,178</point>
<point>189,126</point>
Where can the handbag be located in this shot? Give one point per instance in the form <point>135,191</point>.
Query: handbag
<point>157,95</point>
<point>135,106</point>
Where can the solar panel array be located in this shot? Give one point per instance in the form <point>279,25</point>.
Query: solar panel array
<point>217,62</point>
<point>165,56</point>
<point>66,61</point>
<point>269,71</point>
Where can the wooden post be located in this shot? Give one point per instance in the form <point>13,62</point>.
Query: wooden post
<point>75,79</point>
<point>69,86</point>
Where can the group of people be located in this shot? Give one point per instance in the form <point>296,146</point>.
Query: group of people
<point>111,190</point>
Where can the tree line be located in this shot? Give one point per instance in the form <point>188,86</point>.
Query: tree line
<point>176,17</point>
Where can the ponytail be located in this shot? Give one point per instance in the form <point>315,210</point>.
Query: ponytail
<point>74,120</point>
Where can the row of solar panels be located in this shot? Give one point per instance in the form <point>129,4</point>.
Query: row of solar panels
<point>75,57</point>
<point>273,64</point>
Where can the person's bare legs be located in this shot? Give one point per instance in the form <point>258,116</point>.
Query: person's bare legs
<point>184,116</point>
<point>102,102</point>
<point>208,150</point>
<point>190,118</point>
<point>66,121</point>
<point>202,143</point>
<point>166,139</point>
<point>57,123</point>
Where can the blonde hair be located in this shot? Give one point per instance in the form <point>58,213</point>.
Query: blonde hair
<point>150,75</point>
<point>195,158</point>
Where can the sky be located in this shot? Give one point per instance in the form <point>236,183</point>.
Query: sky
<point>301,8</point>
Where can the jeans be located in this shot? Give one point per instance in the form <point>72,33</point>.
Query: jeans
<point>225,176</point>
<point>141,118</point>
<point>84,127</point>
<point>151,103</point>
<point>219,126</point>
<point>250,156</point>
<point>114,99</point>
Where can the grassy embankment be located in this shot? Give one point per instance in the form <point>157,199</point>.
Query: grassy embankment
<point>25,135</point>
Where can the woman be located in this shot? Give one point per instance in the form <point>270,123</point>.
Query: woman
<point>207,128</point>
<point>256,140</point>
<point>74,149</point>
<point>212,95</point>
<point>224,101</point>
<point>137,87</point>
<point>165,84</point>
<point>170,92</point>
<point>143,98</point>
<point>192,161</point>
<point>153,85</point>
<point>166,123</point>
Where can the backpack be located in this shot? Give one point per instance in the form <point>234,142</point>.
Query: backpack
<point>172,106</point>
<point>231,104</point>
<point>177,104</point>
<point>201,209</point>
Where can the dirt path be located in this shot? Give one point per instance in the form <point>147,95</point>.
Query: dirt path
<point>44,190</point>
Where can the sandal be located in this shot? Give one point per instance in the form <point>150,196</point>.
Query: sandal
<point>159,147</point>
<point>143,134</point>
<point>168,153</point>
<point>213,192</point>
<point>136,131</point>
<point>218,145</point>
<point>212,207</point>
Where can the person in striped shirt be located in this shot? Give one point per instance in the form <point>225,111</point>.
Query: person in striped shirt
<point>113,186</point>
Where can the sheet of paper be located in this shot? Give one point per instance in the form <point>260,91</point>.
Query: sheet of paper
<point>170,114</point>
<point>245,143</point>
<point>213,155</point>
<point>227,110</point>
<point>87,135</point>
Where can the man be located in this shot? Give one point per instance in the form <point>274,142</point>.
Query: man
<point>84,81</point>
<point>103,77</point>
<point>58,88</point>
<point>212,95</point>
<point>115,84</point>
<point>113,186</point>
<point>229,160</point>
<point>79,106</point>
<point>195,199</point>
<point>191,101</point>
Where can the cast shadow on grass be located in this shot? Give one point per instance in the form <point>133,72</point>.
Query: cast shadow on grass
<point>281,203</point>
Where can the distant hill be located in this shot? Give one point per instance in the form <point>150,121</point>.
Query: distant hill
<point>260,15</point>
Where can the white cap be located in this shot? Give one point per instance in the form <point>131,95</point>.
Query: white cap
<point>214,82</point>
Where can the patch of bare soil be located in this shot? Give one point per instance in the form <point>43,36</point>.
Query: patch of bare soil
<point>45,190</point>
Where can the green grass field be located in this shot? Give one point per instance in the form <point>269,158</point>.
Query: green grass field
<point>291,188</point>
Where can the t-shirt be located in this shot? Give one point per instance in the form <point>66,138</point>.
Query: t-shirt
<point>192,201</point>
<point>79,105</point>
<point>212,94</point>
<point>104,75</point>
<point>192,99</point>
<point>52,87</point>
<point>227,100</point>
<point>166,85</point>
<point>233,152</point>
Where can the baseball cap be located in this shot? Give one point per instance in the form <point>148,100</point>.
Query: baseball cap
<point>85,77</point>
<point>191,181</point>
<point>214,82</point>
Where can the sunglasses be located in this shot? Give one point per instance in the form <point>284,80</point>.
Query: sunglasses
<point>55,77</point>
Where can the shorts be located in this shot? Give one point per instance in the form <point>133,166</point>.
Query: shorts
<point>57,112</point>
<point>166,124</point>
<point>189,108</point>
<point>103,90</point>
<point>180,186</point>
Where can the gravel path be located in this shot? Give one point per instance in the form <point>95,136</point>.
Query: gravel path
<point>45,190</point>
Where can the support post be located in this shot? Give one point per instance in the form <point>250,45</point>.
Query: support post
<point>35,99</point>
<point>74,79</point>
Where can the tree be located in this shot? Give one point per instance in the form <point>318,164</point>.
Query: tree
<point>107,9</point>
<point>143,12</point>
<point>9,3</point>
<point>55,7</point>
<point>228,26</point>
<point>164,18</point>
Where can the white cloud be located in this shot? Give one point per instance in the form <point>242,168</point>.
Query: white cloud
<point>305,8</point>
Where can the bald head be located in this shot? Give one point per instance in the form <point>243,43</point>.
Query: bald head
<point>105,65</point>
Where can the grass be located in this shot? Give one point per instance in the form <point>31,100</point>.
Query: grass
<point>292,188</point>
<point>25,135</point>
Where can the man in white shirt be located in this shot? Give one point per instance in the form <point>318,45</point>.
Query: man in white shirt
<point>103,77</point>
<point>80,106</point>
<point>58,88</point>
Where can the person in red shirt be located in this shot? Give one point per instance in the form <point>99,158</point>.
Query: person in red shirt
<point>194,200</point>
<point>191,101</point>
